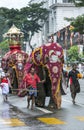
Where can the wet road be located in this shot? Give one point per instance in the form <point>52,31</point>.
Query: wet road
<point>69,117</point>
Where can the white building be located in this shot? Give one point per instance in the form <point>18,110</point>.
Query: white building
<point>58,10</point>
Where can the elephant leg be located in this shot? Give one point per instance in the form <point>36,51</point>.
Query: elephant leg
<point>58,100</point>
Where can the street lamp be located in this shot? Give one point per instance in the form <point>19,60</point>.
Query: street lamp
<point>24,46</point>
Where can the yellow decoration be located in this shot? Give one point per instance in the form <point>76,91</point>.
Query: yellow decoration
<point>37,49</point>
<point>79,76</point>
<point>58,95</point>
<point>71,28</point>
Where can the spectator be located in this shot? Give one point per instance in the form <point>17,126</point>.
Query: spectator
<point>5,87</point>
<point>73,77</point>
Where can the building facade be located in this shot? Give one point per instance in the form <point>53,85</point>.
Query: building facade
<point>58,11</point>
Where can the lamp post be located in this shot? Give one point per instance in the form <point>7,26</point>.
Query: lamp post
<point>24,46</point>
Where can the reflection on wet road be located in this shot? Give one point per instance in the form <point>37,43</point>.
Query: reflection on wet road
<point>8,116</point>
<point>69,117</point>
<point>64,119</point>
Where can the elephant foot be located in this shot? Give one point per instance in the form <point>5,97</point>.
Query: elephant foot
<point>59,103</point>
<point>39,104</point>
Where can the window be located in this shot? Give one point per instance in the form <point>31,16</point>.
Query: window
<point>66,1</point>
<point>55,1</point>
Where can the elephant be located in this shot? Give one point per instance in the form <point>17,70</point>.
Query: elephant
<point>50,57</point>
<point>13,63</point>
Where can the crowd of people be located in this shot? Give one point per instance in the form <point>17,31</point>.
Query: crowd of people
<point>31,79</point>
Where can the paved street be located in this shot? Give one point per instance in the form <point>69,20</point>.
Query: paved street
<point>15,115</point>
<point>80,96</point>
<point>41,41</point>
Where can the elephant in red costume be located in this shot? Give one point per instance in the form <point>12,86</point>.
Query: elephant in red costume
<point>49,56</point>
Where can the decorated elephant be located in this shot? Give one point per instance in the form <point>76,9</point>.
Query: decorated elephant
<point>14,60</point>
<point>50,58</point>
<point>13,63</point>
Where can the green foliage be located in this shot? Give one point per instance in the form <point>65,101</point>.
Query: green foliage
<point>4,47</point>
<point>27,19</point>
<point>78,3</point>
<point>35,16</point>
<point>73,54</point>
<point>3,25</point>
<point>77,23</point>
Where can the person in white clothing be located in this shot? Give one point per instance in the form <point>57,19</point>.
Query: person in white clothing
<point>5,87</point>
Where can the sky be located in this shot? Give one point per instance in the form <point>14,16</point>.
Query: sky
<point>17,4</point>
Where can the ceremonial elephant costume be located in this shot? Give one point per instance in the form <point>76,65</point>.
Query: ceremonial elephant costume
<point>13,61</point>
<point>50,56</point>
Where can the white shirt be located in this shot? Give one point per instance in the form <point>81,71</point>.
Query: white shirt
<point>5,88</point>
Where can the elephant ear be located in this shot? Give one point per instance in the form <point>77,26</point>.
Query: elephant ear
<point>37,56</point>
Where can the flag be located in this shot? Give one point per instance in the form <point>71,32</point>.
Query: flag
<point>58,34</point>
<point>71,38</point>
<point>66,34</point>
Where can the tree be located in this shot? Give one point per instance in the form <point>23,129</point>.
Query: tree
<point>3,25</point>
<point>77,24</point>
<point>4,47</point>
<point>78,3</point>
<point>36,15</point>
<point>73,54</point>
<point>29,19</point>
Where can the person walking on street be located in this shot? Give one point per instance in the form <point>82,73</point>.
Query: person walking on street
<point>31,79</point>
<point>73,77</point>
<point>5,87</point>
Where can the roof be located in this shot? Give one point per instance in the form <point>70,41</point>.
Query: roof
<point>13,30</point>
